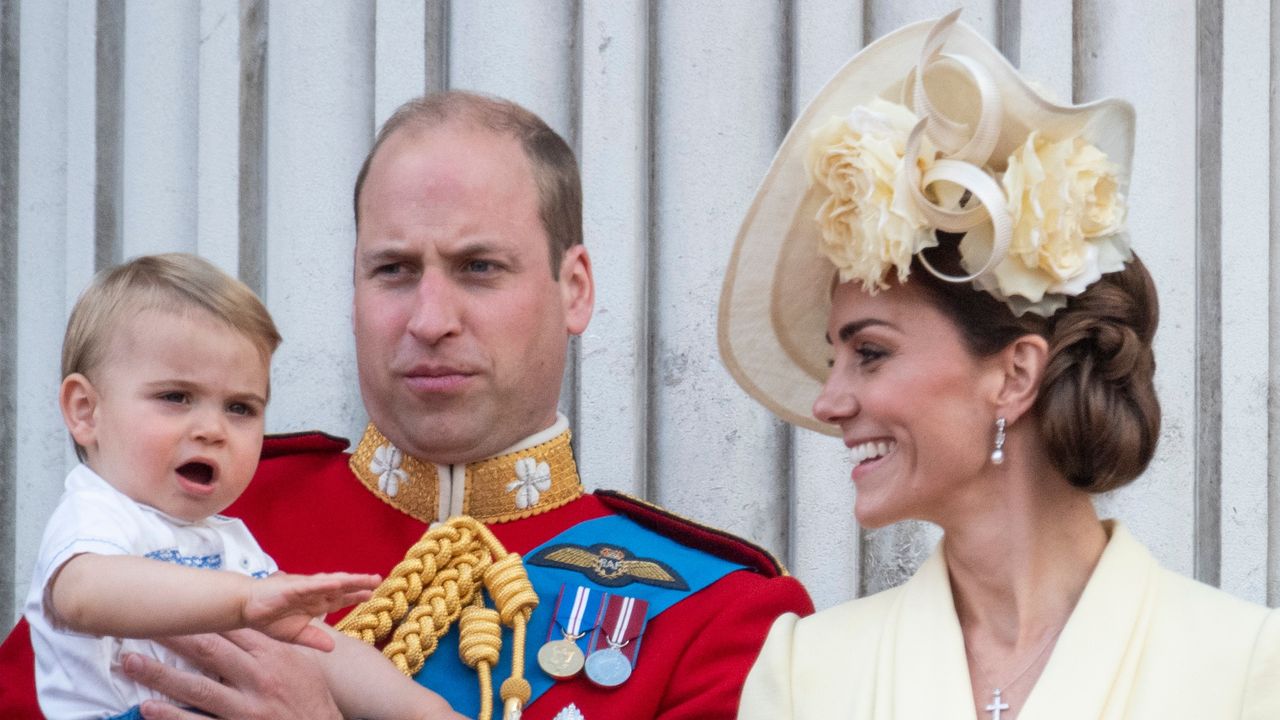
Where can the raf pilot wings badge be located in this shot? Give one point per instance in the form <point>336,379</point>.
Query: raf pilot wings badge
<point>609,565</point>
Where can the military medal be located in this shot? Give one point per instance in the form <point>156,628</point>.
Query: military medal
<point>608,667</point>
<point>616,641</point>
<point>561,658</point>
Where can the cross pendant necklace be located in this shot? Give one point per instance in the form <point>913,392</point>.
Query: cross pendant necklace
<point>996,705</point>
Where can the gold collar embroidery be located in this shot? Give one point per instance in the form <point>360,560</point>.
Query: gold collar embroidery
<point>499,489</point>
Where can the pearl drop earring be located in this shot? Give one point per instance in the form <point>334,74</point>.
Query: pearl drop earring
<point>997,455</point>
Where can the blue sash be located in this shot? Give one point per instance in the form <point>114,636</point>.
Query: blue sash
<point>445,673</point>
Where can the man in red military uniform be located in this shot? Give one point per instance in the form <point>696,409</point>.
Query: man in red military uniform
<point>470,277</point>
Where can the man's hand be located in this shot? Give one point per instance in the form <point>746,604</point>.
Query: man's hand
<point>262,679</point>
<point>284,605</point>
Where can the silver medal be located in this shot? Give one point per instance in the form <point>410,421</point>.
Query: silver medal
<point>608,667</point>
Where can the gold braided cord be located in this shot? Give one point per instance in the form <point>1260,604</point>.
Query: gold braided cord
<point>440,581</point>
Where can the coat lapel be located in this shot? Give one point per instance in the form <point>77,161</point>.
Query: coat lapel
<point>1092,669</point>
<point>930,676</point>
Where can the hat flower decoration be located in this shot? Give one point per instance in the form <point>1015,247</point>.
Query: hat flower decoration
<point>928,129</point>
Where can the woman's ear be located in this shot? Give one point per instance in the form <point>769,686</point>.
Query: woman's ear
<point>78,400</point>
<point>1022,362</point>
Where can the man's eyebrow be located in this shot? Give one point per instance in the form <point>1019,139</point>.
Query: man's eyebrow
<point>380,255</point>
<point>852,328</point>
<point>475,247</point>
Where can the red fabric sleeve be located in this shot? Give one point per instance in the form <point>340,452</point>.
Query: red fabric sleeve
<point>18,676</point>
<point>707,676</point>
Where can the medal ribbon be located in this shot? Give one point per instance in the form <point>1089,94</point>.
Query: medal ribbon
<point>623,625</point>
<point>582,607</point>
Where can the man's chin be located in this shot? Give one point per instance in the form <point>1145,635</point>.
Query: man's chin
<point>446,439</point>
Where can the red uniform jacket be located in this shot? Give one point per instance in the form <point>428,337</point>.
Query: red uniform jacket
<point>311,514</point>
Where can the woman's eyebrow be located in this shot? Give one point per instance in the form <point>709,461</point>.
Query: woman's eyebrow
<point>852,328</point>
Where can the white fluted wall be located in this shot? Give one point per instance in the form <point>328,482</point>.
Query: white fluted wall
<point>234,128</point>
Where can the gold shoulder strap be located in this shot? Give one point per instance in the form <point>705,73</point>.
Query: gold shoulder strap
<point>439,581</point>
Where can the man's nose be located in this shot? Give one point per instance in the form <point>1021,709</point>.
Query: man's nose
<point>438,307</point>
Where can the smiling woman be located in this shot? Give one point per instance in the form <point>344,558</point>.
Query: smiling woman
<point>989,367</point>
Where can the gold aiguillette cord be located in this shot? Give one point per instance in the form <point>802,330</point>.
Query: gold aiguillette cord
<point>439,581</point>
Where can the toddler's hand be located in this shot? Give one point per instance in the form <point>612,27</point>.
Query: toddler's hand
<point>284,605</point>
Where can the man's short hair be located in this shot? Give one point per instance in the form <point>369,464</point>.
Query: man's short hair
<point>174,283</point>
<point>555,170</point>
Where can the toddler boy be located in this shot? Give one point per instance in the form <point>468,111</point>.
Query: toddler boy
<point>165,369</point>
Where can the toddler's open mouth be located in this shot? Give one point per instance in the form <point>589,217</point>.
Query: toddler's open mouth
<point>197,472</point>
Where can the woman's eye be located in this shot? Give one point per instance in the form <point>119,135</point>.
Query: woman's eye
<point>869,353</point>
<point>174,397</point>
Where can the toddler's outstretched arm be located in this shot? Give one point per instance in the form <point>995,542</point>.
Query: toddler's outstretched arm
<point>365,684</point>
<point>125,596</point>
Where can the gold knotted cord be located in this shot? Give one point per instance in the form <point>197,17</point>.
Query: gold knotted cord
<point>439,581</point>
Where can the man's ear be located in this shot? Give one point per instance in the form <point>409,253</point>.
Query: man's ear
<point>577,289</point>
<point>78,400</point>
<point>1022,363</point>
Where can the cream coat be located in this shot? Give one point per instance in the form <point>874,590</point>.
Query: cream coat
<point>1142,643</point>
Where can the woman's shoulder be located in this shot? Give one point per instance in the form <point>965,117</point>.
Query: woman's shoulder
<point>1206,610</point>
<point>1214,634</point>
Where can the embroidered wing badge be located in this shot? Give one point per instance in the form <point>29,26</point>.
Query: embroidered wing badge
<point>609,565</point>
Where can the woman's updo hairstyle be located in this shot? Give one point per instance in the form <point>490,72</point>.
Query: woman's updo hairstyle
<point>1097,408</point>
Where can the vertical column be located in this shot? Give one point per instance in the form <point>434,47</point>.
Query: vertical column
<point>885,16</point>
<point>436,37</point>
<point>161,117</point>
<point>9,73</point>
<point>522,50</point>
<point>610,427</point>
<point>824,538</point>
<point>81,150</point>
<point>319,127</point>
<point>217,141</point>
<point>719,112</point>
<point>400,57</point>
<point>1245,261</point>
<point>251,176</point>
<point>1147,54</point>
<point>41,221</point>
<point>1273,406</point>
<point>1044,38</point>
<point>105,34</point>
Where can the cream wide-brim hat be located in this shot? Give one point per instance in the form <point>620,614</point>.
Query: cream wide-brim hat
<point>777,289</point>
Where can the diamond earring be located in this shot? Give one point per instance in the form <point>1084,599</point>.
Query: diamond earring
<point>997,455</point>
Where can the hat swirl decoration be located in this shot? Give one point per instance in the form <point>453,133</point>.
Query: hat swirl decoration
<point>927,129</point>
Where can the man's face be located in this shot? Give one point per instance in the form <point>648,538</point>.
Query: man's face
<point>461,327</point>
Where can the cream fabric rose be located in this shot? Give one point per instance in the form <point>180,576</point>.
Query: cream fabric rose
<point>1066,205</point>
<point>868,224</point>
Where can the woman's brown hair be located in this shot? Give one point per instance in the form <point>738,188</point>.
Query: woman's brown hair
<point>1097,406</point>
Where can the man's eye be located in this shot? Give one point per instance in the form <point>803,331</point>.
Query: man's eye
<point>479,267</point>
<point>173,396</point>
<point>389,269</point>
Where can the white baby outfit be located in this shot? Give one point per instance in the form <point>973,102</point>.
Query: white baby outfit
<point>79,676</point>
